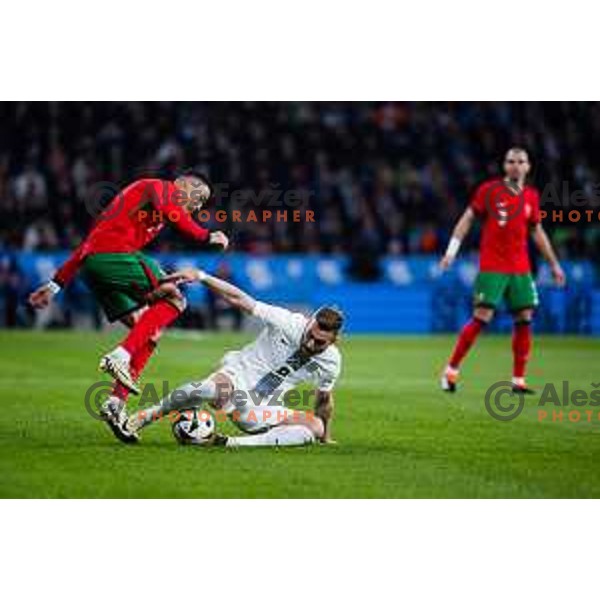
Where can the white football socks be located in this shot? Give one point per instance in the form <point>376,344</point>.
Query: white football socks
<point>190,395</point>
<point>283,435</point>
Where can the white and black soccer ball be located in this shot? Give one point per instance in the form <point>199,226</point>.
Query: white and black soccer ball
<point>194,427</point>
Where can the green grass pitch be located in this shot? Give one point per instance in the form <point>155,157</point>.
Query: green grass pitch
<point>398,435</point>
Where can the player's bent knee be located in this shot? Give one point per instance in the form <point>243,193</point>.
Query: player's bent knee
<point>484,314</point>
<point>128,321</point>
<point>170,293</point>
<point>178,300</point>
<point>223,390</point>
<point>132,318</point>
<point>524,316</point>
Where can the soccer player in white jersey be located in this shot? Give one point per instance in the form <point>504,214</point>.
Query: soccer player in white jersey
<point>250,384</point>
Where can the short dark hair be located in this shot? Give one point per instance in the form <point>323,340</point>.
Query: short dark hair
<point>200,177</point>
<point>330,318</point>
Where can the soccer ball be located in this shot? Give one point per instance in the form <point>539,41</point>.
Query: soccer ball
<point>194,427</point>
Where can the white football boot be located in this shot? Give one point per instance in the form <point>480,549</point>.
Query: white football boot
<point>114,414</point>
<point>117,366</point>
<point>449,380</point>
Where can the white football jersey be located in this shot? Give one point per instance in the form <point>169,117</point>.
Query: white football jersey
<point>272,364</point>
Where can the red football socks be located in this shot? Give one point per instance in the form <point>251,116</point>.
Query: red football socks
<point>140,342</point>
<point>138,362</point>
<point>152,321</point>
<point>467,337</point>
<point>521,347</point>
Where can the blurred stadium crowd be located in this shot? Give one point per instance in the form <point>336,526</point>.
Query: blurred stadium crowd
<point>392,176</point>
<point>382,177</point>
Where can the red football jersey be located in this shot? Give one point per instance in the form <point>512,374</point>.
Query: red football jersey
<point>134,217</point>
<point>506,219</point>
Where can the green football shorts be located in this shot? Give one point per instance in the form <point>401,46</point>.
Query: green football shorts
<point>519,291</point>
<point>121,281</point>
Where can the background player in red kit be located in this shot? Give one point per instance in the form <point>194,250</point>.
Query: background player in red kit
<point>128,284</point>
<point>509,210</point>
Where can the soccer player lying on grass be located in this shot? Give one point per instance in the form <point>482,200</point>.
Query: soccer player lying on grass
<point>251,383</point>
<point>129,286</point>
<point>509,211</point>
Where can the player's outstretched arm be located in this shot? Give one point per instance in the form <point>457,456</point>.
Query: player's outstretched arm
<point>232,294</point>
<point>542,241</point>
<point>460,232</point>
<point>43,295</point>
<point>324,410</point>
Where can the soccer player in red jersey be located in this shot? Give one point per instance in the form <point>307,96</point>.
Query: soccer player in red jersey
<point>127,283</point>
<point>508,209</point>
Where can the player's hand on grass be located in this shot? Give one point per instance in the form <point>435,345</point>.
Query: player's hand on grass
<point>41,297</point>
<point>220,239</point>
<point>558,275</point>
<point>329,442</point>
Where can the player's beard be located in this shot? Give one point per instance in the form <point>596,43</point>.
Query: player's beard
<point>515,183</point>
